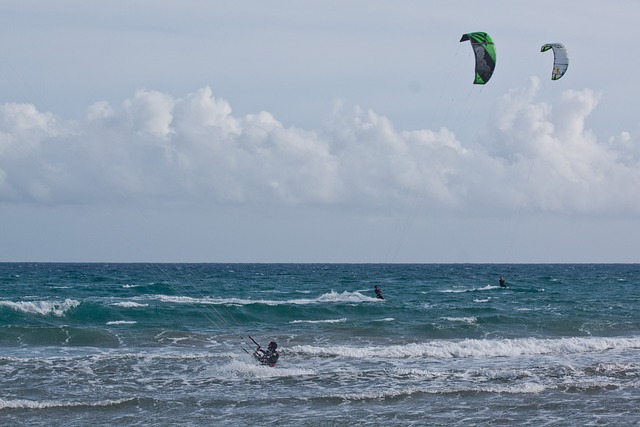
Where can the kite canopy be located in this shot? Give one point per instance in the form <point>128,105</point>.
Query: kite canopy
<point>560,59</point>
<point>485,52</point>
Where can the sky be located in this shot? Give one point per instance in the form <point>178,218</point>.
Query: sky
<point>333,131</point>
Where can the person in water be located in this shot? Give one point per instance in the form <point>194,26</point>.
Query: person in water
<point>269,356</point>
<point>502,284</point>
<point>378,292</point>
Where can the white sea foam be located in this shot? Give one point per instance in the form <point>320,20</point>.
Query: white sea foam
<point>45,404</point>
<point>381,394</point>
<point>413,372</point>
<point>346,297</point>
<point>330,297</point>
<point>320,321</point>
<point>44,308</point>
<point>129,304</point>
<point>442,349</point>
<point>122,322</point>
<point>248,368</point>
<point>408,391</point>
<point>469,320</point>
<point>460,291</point>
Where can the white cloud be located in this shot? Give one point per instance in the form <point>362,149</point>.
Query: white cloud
<point>560,164</point>
<point>150,112</point>
<point>533,155</point>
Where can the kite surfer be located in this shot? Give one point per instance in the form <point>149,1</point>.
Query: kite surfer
<point>502,284</point>
<point>378,292</point>
<point>269,356</point>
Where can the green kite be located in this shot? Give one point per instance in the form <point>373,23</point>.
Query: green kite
<point>485,52</point>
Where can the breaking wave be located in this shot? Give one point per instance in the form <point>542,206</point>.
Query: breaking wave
<point>44,308</point>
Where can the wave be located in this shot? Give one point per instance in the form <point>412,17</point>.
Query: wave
<point>245,368</point>
<point>122,322</point>
<point>526,388</point>
<point>460,291</point>
<point>344,319</point>
<point>46,404</point>
<point>442,349</point>
<point>330,297</point>
<point>469,320</point>
<point>129,304</point>
<point>44,308</point>
<point>117,358</point>
<point>222,364</point>
<point>320,321</point>
<point>490,288</point>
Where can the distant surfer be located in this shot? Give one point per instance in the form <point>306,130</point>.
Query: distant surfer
<point>502,284</point>
<point>269,356</point>
<point>378,292</point>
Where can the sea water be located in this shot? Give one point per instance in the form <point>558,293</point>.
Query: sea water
<point>169,344</point>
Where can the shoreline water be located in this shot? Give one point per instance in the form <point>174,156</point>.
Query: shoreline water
<point>138,344</point>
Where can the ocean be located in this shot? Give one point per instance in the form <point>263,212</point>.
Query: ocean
<point>169,344</point>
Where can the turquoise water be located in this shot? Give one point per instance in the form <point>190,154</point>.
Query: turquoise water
<point>162,344</point>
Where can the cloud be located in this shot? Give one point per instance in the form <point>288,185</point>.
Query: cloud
<point>562,165</point>
<point>531,155</point>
